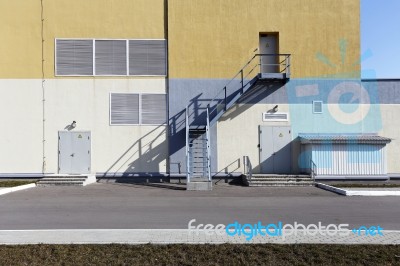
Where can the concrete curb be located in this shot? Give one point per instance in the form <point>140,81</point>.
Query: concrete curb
<point>17,188</point>
<point>183,236</point>
<point>345,192</point>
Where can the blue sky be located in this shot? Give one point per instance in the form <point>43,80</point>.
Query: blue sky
<point>380,34</point>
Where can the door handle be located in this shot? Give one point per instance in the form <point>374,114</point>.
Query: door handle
<point>72,155</point>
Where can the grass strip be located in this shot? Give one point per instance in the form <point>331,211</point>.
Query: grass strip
<point>226,254</point>
<point>14,183</point>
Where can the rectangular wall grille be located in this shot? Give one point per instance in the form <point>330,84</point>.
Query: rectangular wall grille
<point>147,57</point>
<point>317,107</point>
<point>74,57</point>
<point>124,109</point>
<point>138,109</point>
<point>154,108</point>
<point>110,57</point>
<point>89,57</point>
<point>275,117</point>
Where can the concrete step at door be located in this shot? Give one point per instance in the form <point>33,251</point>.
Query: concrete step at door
<point>65,180</point>
<point>275,180</point>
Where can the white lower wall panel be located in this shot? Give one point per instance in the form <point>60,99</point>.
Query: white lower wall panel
<point>86,101</point>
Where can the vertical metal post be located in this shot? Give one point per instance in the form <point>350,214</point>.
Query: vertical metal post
<point>241,78</point>
<point>244,165</point>
<point>208,148</point>
<point>225,100</point>
<point>187,147</point>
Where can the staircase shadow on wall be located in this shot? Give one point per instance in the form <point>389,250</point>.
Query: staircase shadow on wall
<point>143,158</point>
<point>256,95</point>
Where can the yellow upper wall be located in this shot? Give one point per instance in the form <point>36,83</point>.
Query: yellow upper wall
<point>20,45</point>
<point>215,38</point>
<point>20,52</point>
<point>207,38</point>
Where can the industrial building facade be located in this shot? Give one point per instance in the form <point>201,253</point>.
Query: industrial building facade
<point>112,87</point>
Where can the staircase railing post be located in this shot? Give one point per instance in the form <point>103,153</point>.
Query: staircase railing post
<point>187,147</point>
<point>244,164</point>
<point>225,99</point>
<point>208,148</point>
<point>241,78</point>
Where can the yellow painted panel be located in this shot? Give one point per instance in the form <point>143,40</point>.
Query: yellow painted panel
<point>124,19</point>
<point>215,38</point>
<point>20,45</point>
<point>20,49</point>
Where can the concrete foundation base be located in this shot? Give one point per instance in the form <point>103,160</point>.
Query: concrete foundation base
<point>199,186</point>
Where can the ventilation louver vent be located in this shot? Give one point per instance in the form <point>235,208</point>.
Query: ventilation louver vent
<point>154,108</point>
<point>124,109</point>
<point>317,107</point>
<point>275,117</point>
<point>111,57</point>
<point>74,57</point>
<point>138,109</point>
<point>147,57</point>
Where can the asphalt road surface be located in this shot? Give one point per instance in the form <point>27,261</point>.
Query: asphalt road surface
<point>126,206</point>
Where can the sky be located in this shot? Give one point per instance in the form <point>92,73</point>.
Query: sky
<point>380,38</point>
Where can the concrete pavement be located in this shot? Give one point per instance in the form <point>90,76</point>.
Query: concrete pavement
<point>124,206</point>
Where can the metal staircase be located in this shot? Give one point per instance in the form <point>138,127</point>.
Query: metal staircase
<point>198,163</point>
<point>198,155</point>
<point>250,76</point>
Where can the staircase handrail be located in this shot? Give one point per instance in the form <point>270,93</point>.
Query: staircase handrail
<point>208,147</point>
<point>230,81</point>
<point>285,62</point>
<point>313,170</point>
<point>187,146</point>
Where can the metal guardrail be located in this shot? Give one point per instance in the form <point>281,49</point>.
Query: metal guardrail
<point>248,168</point>
<point>208,147</point>
<point>245,75</point>
<point>179,164</point>
<point>313,170</point>
<point>188,175</point>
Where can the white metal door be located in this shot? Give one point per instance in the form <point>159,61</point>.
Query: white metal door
<point>74,152</point>
<point>275,149</point>
<point>269,45</point>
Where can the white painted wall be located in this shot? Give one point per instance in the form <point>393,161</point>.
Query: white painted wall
<point>238,135</point>
<point>391,129</point>
<point>21,126</point>
<point>114,148</point>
